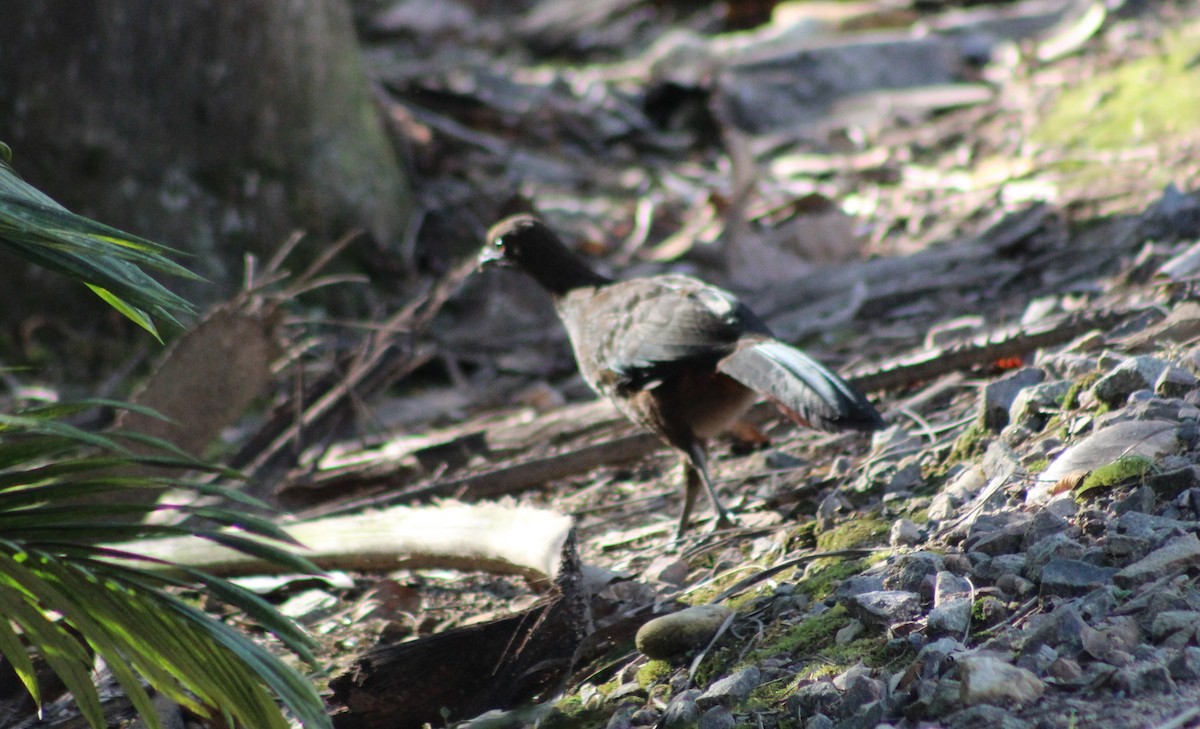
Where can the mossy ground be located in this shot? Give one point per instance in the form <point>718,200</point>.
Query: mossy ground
<point>1140,103</point>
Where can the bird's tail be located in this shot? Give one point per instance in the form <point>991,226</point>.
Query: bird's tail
<point>803,388</point>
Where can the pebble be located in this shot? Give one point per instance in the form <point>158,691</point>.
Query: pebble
<point>1057,545</point>
<point>818,721</point>
<point>1032,406</point>
<point>1072,577</point>
<point>731,690</point>
<point>1174,382</point>
<point>682,710</point>
<point>671,570</point>
<point>718,717</point>
<point>905,533</point>
<point>849,633</point>
<point>1149,438</point>
<point>1186,665</point>
<point>989,680</point>
<point>817,697</point>
<point>886,607</point>
<point>1177,554</point>
<point>1135,373</point>
<point>680,632</point>
<point>911,572</point>
<point>999,394</point>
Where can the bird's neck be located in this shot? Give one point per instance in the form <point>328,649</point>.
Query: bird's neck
<point>561,272</point>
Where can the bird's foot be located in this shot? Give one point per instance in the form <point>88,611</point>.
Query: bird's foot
<point>724,521</point>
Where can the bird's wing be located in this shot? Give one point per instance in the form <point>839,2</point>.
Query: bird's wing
<point>637,332</point>
<point>802,387</point>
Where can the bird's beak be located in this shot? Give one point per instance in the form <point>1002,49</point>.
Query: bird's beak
<point>490,257</point>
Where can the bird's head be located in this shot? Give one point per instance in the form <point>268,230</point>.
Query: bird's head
<point>514,241</point>
<point>524,242</point>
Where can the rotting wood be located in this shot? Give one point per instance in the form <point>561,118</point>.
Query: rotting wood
<point>470,669</point>
<point>496,538</point>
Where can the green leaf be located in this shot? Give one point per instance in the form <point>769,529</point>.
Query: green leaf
<point>132,313</point>
<point>111,262</point>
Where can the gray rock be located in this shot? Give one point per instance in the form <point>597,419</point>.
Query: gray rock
<point>1033,405</point>
<point>819,721</point>
<point>905,533</point>
<point>818,697</point>
<point>1144,679</point>
<point>1150,438</point>
<point>950,618</point>
<point>718,717</point>
<point>886,607</point>
<point>731,690</point>
<point>671,570</point>
<point>995,568</point>
<point>644,717</point>
<point>990,680</point>
<point>680,632</point>
<point>857,585</point>
<point>1173,621</point>
<point>999,394</point>
<point>1054,546</point>
<point>1043,523</point>
<point>912,572</point>
<point>1174,382</point>
<point>985,717</point>
<point>1177,554</point>
<point>1072,577</point>
<point>849,633</point>
<point>1136,373</point>
<point>949,586</point>
<point>620,719</point>
<point>682,711</point>
<point>1186,665</point>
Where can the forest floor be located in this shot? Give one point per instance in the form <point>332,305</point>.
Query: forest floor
<point>879,181</point>
<point>985,214</point>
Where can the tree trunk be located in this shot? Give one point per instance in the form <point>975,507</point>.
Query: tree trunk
<point>213,127</point>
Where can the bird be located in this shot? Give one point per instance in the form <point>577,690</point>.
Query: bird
<point>678,356</point>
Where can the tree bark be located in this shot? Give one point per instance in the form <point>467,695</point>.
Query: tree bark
<point>214,127</point>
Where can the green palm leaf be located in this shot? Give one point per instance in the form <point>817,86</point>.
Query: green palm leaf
<point>71,598</point>
<point>112,263</point>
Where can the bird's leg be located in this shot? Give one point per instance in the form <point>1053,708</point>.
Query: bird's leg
<point>691,484</point>
<point>695,467</point>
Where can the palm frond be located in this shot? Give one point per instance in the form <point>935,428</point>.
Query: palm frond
<point>111,262</point>
<point>72,599</point>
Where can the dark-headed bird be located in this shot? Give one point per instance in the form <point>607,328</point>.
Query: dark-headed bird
<point>678,356</point>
